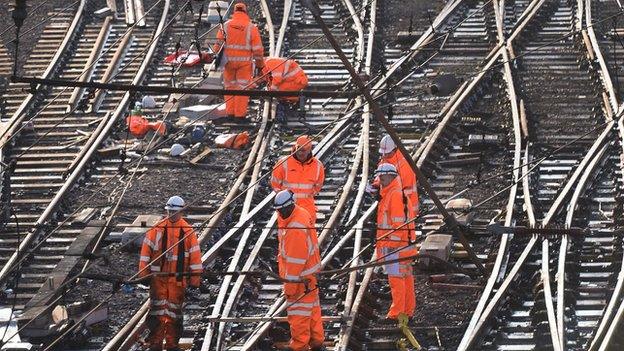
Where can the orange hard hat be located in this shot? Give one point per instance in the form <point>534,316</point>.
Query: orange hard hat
<point>240,7</point>
<point>303,143</point>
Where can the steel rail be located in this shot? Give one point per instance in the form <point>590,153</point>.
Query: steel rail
<point>501,258</point>
<point>604,71</point>
<point>613,316</point>
<point>608,86</point>
<point>614,312</point>
<point>283,26</point>
<point>555,330</point>
<point>425,38</point>
<point>18,116</point>
<point>563,249</point>
<point>365,154</point>
<point>556,321</point>
<point>89,67</point>
<point>111,70</point>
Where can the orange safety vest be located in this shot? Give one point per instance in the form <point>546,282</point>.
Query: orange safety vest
<point>298,255</point>
<point>407,175</point>
<point>394,209</point>
<point>242,40</point>
<point>286,74</point>
<point>183,258</point>
<point>304,179</point>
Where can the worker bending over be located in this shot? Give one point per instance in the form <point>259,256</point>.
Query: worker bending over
<point>242,46</point>
<point>169,247</point>
<point>390,154</point>
<point>301,173</point>
<point>298,260</point>
<point>394,210</point>
<point>284,74</point>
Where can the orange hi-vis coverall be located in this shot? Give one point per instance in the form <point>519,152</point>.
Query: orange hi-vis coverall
<point>284,75</point>
<point>304,179</point>
<point>393,211</point>
<point>407,175</point>
<point>242,46</point>
<point>167,292</point>
<point>299,259</point>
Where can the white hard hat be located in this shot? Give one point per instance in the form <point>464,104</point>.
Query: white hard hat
<point>148,102</point>
<point>175,203</point>
<point>176,150</point>
<point>386,145</point>
<point>386,168</point>
<point>283,199</point>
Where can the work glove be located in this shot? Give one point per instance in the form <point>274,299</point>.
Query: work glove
<point>372,189</point>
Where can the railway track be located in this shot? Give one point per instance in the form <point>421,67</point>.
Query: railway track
<point>563,307</point>
<point>476,99</point>
<point>472,122</point>
<point>607,33</point>
<point>56,149</point>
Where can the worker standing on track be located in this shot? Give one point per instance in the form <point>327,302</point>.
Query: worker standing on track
<point>301,173</point>
<point>174,237</point>
<point>298,260</point>
<point>282,74</point>
<point>240,41</point>
<point>393,211</point>
<point>390,154</point>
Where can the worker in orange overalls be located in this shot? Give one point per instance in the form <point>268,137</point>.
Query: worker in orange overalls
<point>390,154</point>
<point>298,260</point>
<point>284,74</point>
<point>174,237</point>
<point>301,173</point>
<point>393,211</point>
<point>242,45</point>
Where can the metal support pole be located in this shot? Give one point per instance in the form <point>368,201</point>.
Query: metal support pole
<point>450,221</point>
<point>172,90</point>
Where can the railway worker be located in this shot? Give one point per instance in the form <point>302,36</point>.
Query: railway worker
<point>284,74</point>
<point>242,46</point>
<point>169,247</point>
<point>302,173</point>
<point>393,211</point>
<point>390,154</point>
<point>298,260</point>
